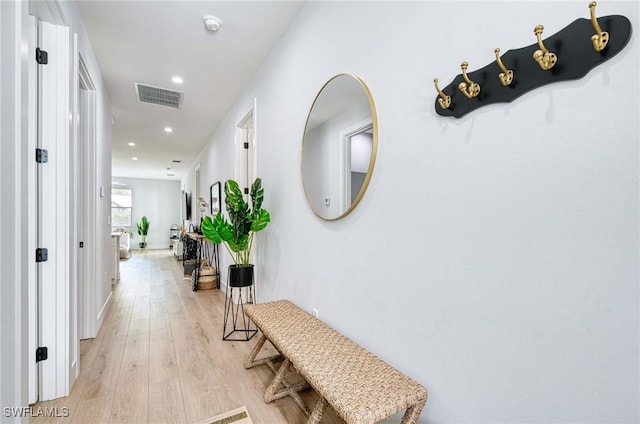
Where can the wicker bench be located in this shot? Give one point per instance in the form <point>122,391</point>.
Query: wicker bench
<point>359,386</point>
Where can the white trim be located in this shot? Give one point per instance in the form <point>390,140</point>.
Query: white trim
<point>13,181</point>
<point>89,319</point>
<point>105,308</point>
<point>32,102</point>
<point>74,341</point>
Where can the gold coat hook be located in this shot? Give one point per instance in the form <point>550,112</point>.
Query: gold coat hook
<point>600,38</point>
<point>544,57</point>
<point>468,88</point>
<point>444,101</point>
<point>506,76</point>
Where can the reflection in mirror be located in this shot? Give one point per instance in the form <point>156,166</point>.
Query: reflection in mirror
<point>214,198</point>
<point>339,147</point>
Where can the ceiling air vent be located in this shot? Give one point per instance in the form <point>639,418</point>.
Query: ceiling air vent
<point>159,96</point>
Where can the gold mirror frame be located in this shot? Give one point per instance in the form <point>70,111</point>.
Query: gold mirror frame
<point>374,147</point>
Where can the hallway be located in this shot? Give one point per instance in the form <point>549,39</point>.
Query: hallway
<point>159,357</point>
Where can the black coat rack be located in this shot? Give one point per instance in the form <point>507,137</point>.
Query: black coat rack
<point>569,54</point>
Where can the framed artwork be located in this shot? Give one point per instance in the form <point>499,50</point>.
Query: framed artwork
<point>215,200</point>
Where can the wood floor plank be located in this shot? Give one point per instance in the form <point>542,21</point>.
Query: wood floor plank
<point>130,402</point>
<point>165,402</point>
<point>137,347</point>
<point>103,374</point>
<point>95,410</point>
<point>163,364</point>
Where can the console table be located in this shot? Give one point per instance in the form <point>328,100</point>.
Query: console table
<point>203,250</point>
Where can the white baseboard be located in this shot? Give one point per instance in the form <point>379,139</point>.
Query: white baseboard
<point>103,312</point>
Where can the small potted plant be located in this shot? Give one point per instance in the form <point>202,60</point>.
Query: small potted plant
<point>143,229</point>
<point>237,232</point>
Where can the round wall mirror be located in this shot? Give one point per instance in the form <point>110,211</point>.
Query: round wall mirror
<point>339,147</point>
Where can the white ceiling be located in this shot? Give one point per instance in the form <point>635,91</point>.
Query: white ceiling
<point>149,42</point>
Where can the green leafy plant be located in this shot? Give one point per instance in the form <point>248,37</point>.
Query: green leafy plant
<point>237,232</point>
<point>143,228</point>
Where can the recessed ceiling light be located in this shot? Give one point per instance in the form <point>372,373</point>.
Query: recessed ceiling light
<point>134,158</point>
<point>131,143</point>
<point>177,79</point>
<point>168,129</point>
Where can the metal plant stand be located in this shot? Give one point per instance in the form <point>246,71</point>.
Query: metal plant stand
<point>237,326</point>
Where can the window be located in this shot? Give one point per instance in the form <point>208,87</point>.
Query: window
<point>121,207</point>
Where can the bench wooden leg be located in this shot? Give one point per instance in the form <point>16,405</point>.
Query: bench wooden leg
<point>318,410</point>
<point>413,413</point>
<point>253,362</point>
<point>273,392</point>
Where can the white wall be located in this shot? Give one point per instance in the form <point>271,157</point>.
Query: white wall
<point>361,145</point>
<point>102,170</point>
<point>160,202</point>
<point>494,258</point>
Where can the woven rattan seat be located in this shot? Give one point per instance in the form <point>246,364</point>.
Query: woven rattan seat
<point>361,387</point>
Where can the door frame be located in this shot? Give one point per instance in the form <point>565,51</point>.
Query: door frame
<point>245,161</point>
<point>86,134</point>
<point>31,192</point>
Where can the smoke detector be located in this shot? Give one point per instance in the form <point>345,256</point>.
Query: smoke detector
<point>211,23</point>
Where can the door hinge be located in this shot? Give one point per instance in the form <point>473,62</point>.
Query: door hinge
<point>246,190</point>
<point>42,354</point>
<point>42,155</point>
<point>42,255</point>
<point>246,145</point>
<point>42,57</point>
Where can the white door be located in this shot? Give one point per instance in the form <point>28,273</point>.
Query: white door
<point>245,149</point>
<point>53,211</point>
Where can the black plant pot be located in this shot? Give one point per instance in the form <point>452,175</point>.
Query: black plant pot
<point>240,275</point>
<point>142,245</point>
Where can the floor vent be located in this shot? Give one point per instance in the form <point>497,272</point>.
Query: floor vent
<point>159,96</point>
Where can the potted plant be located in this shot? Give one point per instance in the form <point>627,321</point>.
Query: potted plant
<point>237,233</point>
<point>143,229</point>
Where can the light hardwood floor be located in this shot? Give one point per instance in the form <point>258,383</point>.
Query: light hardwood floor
<point>160,358</point>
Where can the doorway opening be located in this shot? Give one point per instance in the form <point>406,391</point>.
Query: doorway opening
<point>198,195</point>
